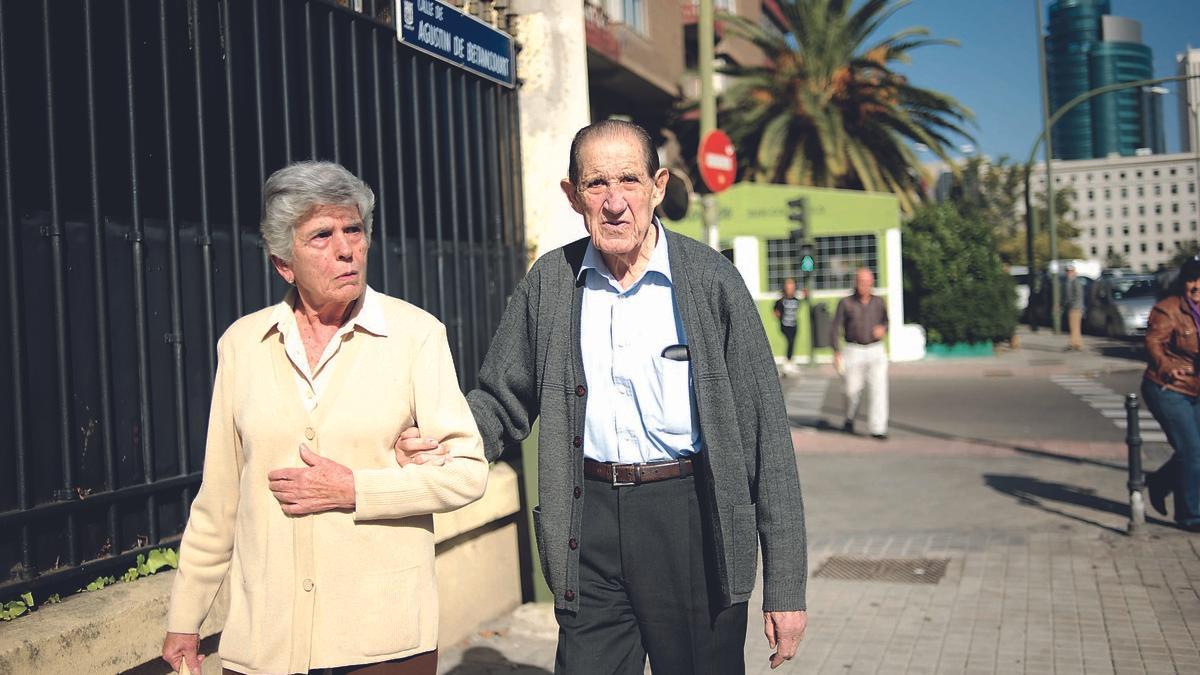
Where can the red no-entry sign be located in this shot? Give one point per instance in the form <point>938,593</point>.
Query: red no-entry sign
<point>717,160</point>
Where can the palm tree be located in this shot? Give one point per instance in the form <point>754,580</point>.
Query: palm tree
<point>828,110</point>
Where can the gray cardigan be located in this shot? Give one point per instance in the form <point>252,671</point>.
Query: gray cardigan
<point>534,368</point>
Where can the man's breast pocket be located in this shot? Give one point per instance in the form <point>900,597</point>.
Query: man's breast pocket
<point>673,393</point>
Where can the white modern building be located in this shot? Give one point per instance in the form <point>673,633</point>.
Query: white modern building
<point>1189,101</point>
<point>1144,208</point>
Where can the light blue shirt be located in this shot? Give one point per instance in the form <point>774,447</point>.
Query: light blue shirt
<point>640,406</point>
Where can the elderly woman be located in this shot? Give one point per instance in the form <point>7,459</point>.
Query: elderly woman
<point>1171,388</point>
<point>324,540</point>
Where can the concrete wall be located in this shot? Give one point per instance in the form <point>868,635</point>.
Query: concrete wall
<point>552,65</point>
<point>121,627</point>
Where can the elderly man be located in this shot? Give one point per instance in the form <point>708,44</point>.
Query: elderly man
<point>665,452</point>
<point>863,318</point>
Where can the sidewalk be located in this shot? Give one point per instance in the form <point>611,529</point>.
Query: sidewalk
<point>1039,576</point>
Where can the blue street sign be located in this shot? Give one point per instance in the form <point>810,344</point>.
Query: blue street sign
<point>441,30</point>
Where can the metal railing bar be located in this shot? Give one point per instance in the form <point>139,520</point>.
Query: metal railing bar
<point>334,121</point>
<point>356,99</point>
<point>483,190</point>
<point>99,499</point>
<point>454,314</point>
<point>175,294</point>
<point>58,266</point>
<point>384,218</point>
<point>136,236</point>
<point>235,238</point>
<point>435,172</point>
<point>285,93</point>
<point>264,256</point>
<point>419,180</point>
<point>401,213</point>
<point>205,238</point>
<point>15,322</point>
<point>99,281</point>
<point>313,151</point>
<point>470,161</point>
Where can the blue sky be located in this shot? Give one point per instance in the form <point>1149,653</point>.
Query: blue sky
<point>994,71</point>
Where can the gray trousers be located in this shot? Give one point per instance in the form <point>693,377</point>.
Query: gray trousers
<point>645,590</point>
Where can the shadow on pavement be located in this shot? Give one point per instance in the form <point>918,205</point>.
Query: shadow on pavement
<point>1132,349</point>
<point>1044,454</point>
<point>811,422</point>
<point>1044,495</point>
<point>485,661</point>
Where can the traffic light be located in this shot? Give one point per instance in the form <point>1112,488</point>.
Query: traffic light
<point>799,215</point>
<point>807,262</point>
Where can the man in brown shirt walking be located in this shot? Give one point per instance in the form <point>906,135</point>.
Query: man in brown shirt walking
<point>862,359</point>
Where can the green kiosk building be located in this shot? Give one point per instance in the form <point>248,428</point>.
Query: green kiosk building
<point>847,229</point>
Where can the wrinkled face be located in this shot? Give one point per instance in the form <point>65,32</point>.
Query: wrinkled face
<point>329,257</point>
<point>1191,289</point>
<point>863,282</point>
<point>789,287</point>
<point>615,195</point>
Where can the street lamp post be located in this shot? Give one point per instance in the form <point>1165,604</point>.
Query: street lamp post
<point>1055,291</point>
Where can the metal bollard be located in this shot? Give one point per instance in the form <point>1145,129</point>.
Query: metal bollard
<point>1137,481</point>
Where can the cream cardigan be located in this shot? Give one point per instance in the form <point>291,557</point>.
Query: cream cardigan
<point>341,587</point>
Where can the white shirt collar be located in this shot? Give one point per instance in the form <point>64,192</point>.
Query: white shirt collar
<point>367,315</point>
<point>659,260</point>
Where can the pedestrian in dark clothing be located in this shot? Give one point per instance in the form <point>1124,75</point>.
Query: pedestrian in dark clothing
<point>787,308</point>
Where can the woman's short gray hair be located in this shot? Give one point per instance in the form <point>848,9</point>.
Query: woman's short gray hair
<point>291,193</point>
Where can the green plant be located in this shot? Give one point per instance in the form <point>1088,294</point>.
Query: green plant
<point>829,109</point>
<point>14,608</point>
<point>99,583</point>
<point>151,563</point>
<point>954,283</point>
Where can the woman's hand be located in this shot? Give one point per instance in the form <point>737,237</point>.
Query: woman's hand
<point>1181,373</point>
<point>322,485</point>
<point>182,647</point>
<point>410,448</point>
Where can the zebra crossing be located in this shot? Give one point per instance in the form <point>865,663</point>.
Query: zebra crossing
<point>1111,405</point>
<point>804,397</point>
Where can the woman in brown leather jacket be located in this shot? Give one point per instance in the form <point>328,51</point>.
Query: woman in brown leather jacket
<point>1171,389</point>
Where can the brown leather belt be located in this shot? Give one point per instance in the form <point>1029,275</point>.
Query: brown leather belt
<point>635,474</point>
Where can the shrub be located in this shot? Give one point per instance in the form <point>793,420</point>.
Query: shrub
<point>954,283</point>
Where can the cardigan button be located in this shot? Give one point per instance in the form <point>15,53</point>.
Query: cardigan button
<point>309,433</point>
<point>578,441</point>
<point>569,595</point>
<point>308,585</point>
<point>578,492</point>
<point>573,543</point>
<point>581,390</point>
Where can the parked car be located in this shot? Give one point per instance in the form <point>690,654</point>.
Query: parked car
<point>1120,305</point>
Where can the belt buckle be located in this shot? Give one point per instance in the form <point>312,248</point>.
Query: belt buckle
<point>613,475</point>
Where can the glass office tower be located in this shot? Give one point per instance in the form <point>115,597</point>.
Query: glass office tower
<point>1086,48</point>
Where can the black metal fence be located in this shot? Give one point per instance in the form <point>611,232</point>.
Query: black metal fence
<point>135,136</point>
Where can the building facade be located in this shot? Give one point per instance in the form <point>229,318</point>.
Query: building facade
<point>1189,101</point>
<point>1087,47</point>
<point>1143,208</point>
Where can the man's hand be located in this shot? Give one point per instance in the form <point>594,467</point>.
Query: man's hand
<point>784,632</point>
<point>412,449</point>
<point>182,647</point>
<point>837,361</point>
<point>322,485</point>
<point>879,331</point>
